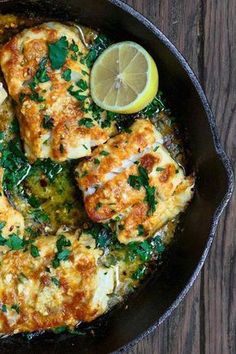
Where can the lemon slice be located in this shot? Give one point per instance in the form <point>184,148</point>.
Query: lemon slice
<point>124,78</point>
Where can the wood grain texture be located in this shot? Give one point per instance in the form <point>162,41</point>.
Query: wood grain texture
<point>204,31</point>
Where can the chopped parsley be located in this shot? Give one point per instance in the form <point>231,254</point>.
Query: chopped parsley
<point>39,216</point>
<point>74,56</point>
<point>140,230</point>
<point>76,94</point>
<point>157,105</point>
<point>4,308</point>
<point>150,199</point>
<point>2,224</point>
<point>98,46</point>
<point>102,234</point>
<point>96,161</point>
<point>16,308</point>
<point>159,169</point>
<point>16,166</point>
<point>14,242</point>
<point>47,122</point>
<point>22,278</point>
<point>63,253</point>
<point>110,117</point>
<point>143,181</point>
<point>50,168</point>
<point>74,47</point>
<point>66,75</point>
<point>140,272</point>
<point>34,251</point>
<point>98,205</point>
<point>60,329</point>
<point>40,76</point>
<point>55,281</point>
<point>87,122</point>
<point>82,84</point>
<point>85,73</point>
<point>58,52</point>
<point>36,97</point>
<point>33,201</point>
<point>104,153</point>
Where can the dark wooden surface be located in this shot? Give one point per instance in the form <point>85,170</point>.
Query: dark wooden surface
<point>205,33</point>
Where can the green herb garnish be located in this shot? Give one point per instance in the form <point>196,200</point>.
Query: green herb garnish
<point>102,234</point>
<point>39,216</point>
<point>62,253</point>
<point>36,97</point>
<point>104,153</point>
<point>140,230</point>
<point>16,308</point>
<point>50,168</point>
<point>33,201</point>
<point>87,122</point>
<point>58,52</point>
<point>156,106</point>
<point>34,251</point>
<point>143,181</point>
<point>56,281</point>
<point>4,308</point>
<point>82,84</point>
<point>15,243</point>
<point>76,94</point>
<point>66,75</point>
<point>74,47</point>
<point>47,122</point>
<point>98,46</point>
<point>140,272</point>
<point>159,169</point>
<point>96,161</point>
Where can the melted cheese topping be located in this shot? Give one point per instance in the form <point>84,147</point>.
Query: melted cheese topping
<point>108,198</point>
<point>37,296</point>
<point>118,153</point>
<point>69,137</point>
<point>166,210</point>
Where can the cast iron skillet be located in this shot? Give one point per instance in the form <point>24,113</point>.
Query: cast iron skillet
<point>154,302</point>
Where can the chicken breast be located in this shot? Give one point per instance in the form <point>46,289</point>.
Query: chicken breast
<point>134,185</point>
<point>62,285</point>
<point>45,75</point>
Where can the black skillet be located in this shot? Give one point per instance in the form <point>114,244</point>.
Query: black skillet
<point>154,301</point>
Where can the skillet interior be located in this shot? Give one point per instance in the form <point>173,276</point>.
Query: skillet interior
<point>156,299</point>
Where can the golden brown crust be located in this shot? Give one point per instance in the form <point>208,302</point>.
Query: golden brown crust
<point>106,185</point>
<point>123,146</point>
<point>165,211</point>
<point>28,283</point>
<point>20,59</point>
<point>114,197</point>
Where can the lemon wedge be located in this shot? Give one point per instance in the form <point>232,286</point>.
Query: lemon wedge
<point>124,78</point>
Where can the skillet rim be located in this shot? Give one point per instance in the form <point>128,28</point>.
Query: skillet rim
<point>220,152</point>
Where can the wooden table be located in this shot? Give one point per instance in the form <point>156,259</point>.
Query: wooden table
<point>205,33</point>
